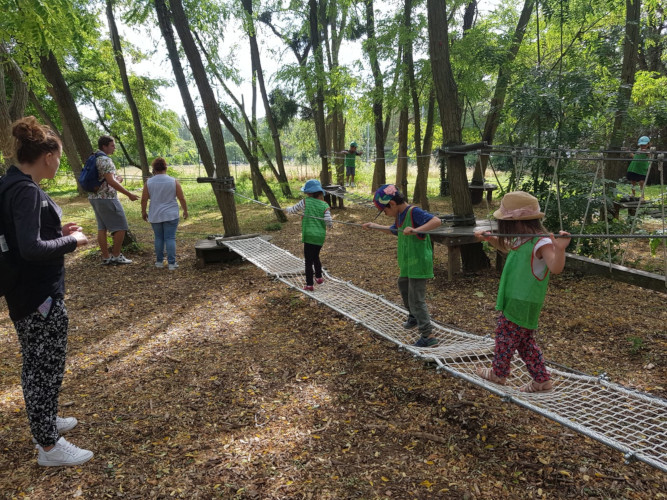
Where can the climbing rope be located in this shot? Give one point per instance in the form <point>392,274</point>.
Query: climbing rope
<point>632,422</point>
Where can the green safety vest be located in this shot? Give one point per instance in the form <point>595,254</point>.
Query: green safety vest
<point>521,293</point>
<point>350,159</point>
<point>314,231</point>
<point>415,254</point>
<point>637,166</point>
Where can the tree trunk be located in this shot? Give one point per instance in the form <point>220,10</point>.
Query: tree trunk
<point>15,108</point>
<point>616,169</point>
<point>257,64</point>
<point>500,92</point>
<point>69,115</point>
<point>120,61</point>
<point>379,173</point>
<point>65,136</point>
<point>254,166</point>
<point>197,135</point>
<point>402,160</point>
<point>180,20</point>
<point>320,128</point>
<point>446,92</point>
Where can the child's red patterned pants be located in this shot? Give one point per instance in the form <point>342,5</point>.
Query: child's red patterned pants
<point>511,337</point>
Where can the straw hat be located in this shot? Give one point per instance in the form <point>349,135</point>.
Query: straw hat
<point>518,205</point>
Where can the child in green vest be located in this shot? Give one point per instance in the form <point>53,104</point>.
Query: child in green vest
<point>350,159</point>
<point>316,217</point>
<point>638,167</point>
<point>415,256</point>
<point>523,286</point>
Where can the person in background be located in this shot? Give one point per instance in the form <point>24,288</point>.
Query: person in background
<point>415,256</point>
<point>37,245</point>
<point>109,212</point>
<point>163,191</point>
<point>316,218</point>
<point>638,167</point>
<point>523,287</point>
<point>350,163</point>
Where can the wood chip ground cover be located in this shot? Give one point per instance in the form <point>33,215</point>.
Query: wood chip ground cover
<point>222,383</point>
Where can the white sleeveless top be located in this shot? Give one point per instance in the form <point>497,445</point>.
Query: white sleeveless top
<point>163,205</point>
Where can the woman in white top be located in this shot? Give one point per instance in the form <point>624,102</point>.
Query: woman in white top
<point>163,190</point>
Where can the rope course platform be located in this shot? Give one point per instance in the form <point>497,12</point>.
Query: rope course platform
<point>632,422</point>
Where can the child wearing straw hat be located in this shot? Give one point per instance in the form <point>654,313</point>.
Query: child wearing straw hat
<point>316,219</point>
<point>523,287</point>
<point>415,255</point>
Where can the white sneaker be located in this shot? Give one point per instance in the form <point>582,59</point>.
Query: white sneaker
<point>159,265</point>
<point>63,453</point>
<point>63,425</point>
<point>353,185</point>
<point>121,259</point>
<point>173,266</point>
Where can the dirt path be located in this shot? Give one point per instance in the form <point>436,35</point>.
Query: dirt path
<point>221,383</point>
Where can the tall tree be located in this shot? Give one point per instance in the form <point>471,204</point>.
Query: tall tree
<point>318,96</point>
<point>259,73</point>
<point>181,23</point>
<point>13,108</point>
<point>371,49</point>
<point>500,91</point>
<point>127,90</point>
<point>69,114</point>
<point>616,169</point>
<point>450,118</point>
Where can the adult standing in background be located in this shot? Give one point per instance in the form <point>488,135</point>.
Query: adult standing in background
<point>109,212</point>
<point>163,191</point>
<point>37,245</point>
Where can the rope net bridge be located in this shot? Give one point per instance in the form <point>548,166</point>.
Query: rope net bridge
<point>629,421</point>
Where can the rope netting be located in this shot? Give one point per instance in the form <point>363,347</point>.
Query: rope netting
<point>632,422</point>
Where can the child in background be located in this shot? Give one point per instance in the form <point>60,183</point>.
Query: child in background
<point>415,256</point>
<point>350,159</point>
<point>638,167</point>
<point>523,286</point>
<point>316,218</point>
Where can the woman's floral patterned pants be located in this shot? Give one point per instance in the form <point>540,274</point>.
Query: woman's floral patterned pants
<point>43,349</point>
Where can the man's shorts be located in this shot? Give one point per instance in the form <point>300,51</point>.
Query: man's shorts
<point>349,170</point>
<point>109,214</point>
<point>634,176</point>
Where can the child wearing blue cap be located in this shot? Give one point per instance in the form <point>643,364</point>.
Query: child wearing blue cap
<point>316,217</point>
<point>350,159</point>
<point>415,255</point>
<point>638,167</point>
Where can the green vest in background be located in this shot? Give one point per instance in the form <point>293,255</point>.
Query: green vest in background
<point>637,165</point>
<point>350,158</point>
<point>415,255</point>
<point>521,293</point>
<point>314,231</point>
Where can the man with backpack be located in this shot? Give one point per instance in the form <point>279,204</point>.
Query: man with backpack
<point>108,210</point>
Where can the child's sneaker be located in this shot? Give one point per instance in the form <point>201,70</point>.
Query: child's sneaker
<point>410,323</point>
<point>106,262</point>
<point>352,184</point>
<point>319,281</point>
<point>173,266</point>
<point>309,288</point>
<point>63,425</point>
<point>426,342</point>
<point>121,259</point>
<point>63,453</point>
<point>159,265</point>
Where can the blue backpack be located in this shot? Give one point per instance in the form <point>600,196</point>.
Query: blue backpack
<point>89,179</point>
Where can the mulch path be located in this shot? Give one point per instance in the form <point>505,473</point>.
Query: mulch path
<point>222,383</point>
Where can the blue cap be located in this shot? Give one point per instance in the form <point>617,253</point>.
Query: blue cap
<point>643,140</point>
<point>312,186</point>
